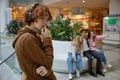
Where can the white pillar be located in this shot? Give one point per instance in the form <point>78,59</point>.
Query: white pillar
<point>4,4</point>
<point>114,7</point>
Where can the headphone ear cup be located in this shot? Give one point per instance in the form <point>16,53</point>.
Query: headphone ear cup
<point>29,16</point>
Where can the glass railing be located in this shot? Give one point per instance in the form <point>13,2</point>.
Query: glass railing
<point>8,60</point>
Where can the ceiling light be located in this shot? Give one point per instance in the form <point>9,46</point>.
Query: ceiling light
<point>83,1</point>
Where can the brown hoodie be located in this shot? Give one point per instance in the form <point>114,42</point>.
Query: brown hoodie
<point>32,53</point>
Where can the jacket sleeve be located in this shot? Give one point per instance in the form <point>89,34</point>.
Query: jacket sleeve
<point>37,55</point>
<point>73,52</point>
<point>100,37</point>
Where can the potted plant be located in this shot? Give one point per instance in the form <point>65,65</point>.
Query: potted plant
<point>14,26</point>
<point>62,33</point>
<point>63,29</point>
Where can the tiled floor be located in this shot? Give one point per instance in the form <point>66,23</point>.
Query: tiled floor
<point>111,75</point>
<point>112,54</point>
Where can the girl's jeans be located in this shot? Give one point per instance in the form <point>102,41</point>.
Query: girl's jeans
<point>70,63</point>
<point>101,55</point>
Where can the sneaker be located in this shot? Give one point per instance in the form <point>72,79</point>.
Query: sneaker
<point>109,65</point>
<point>78,73</point>
<point>70,76</point>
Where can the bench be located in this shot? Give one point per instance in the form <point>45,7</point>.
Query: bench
<point>61,49</point>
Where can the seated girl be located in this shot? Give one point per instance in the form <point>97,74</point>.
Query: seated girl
<point>74,56</point>
<point>92,44</point>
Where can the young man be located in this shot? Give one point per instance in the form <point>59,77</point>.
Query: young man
<point>90,54</point>
<point>33,45</point>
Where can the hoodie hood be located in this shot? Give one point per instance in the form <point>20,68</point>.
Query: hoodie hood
<point>22,31</point>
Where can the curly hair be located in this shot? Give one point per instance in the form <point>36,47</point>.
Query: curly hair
<point>38,11</point>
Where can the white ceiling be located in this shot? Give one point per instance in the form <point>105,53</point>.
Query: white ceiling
<point>89,4</point>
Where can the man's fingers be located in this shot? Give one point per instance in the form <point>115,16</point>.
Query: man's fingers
<point>41,71</point>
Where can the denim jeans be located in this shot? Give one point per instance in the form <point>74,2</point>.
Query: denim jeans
<point>101,55</point>
<point>70,63</point>
<point>90,54</point>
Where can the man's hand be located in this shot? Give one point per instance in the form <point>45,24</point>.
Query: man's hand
<point>74,59</point>
<point>41,71</point>
<point>46,32</point>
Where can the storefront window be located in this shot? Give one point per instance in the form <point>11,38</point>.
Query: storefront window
<point>18,7</point>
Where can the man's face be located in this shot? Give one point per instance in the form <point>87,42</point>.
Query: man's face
<point>84,33</point>
<point>41,23</point>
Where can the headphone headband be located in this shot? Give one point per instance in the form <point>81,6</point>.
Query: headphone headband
<point>29,16</point>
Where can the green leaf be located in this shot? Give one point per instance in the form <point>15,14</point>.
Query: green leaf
<point>61,33</point>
